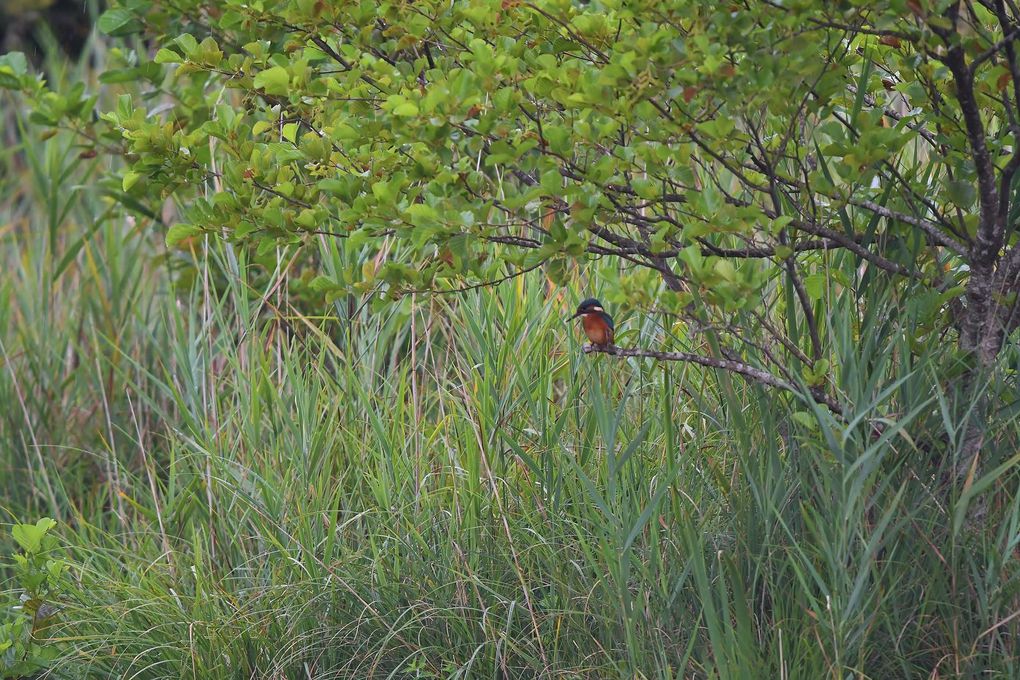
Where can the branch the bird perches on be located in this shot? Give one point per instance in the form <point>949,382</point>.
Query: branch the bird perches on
<point>748,371</point>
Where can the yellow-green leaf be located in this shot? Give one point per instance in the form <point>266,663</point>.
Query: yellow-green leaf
<point>130,179</point>
<point>275,80</point>
<point>179,232</point>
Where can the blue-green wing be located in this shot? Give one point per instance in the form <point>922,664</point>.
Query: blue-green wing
<point>609,320</point>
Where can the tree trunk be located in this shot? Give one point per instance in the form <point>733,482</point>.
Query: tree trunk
<point>981,335</point>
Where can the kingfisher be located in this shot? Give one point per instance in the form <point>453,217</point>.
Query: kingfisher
<point>598,325</point>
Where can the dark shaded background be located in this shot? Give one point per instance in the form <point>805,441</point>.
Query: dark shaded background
<point>26,25</point>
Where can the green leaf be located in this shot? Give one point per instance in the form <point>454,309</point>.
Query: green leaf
<point>118,22</point>
<point>552,182</point>
<point>961,193</point>
<point>13,68</point>
<point>646,188</point>
<point>805,419</point>
<point>129,180</point>
<point>814,284</point>
<point>275,81</point>
<point>725,269</point>
<point>422,214</point>
<point>406,109</point>
<point>187,43</point>
<point>30,536</point>
<point>780,223</point>
<point>307,218</point>
<point>559,139</point>
<point>209,52</point>
<point>15,62</point>
<point>323,283</point>
<point>179,232</point>
<point>165,56</point>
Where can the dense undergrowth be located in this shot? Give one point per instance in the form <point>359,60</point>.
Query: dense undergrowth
<point>247,486</point>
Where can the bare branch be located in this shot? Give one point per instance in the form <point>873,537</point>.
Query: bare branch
<point>1006,178</point>
<point>750,372</point>
<point>857,249</point>
<point>989,235</point>
<point>936,234</point>
<point>764,251</point>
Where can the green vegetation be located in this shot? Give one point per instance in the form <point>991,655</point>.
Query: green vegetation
<point>272,452</point>
<point>22,638</point>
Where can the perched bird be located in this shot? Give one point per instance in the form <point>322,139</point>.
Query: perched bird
<point>598,325</point>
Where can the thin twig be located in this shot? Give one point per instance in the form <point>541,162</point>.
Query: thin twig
<point>483,284</point>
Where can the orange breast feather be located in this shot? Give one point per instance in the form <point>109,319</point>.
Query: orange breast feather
<point>597,330</point>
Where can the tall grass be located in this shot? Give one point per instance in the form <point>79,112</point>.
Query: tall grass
<point>448,487</point>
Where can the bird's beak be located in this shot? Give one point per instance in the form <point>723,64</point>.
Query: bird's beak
<point>575,316</point>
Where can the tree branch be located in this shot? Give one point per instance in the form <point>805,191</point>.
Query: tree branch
<point>1006,179</point>
<point>989,234</point>
<point>750,372</point>
<point>337,57</point>
<point>857,249</point>
<point>927,227</point>
<point>994,49</point>
<point>764,251</point>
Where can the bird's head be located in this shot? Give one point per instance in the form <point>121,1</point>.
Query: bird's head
<point>589,306</point>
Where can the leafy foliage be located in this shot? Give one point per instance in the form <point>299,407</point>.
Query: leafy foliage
<point>741,151</point>
<point>446,486</point>
<point>23,645</point>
